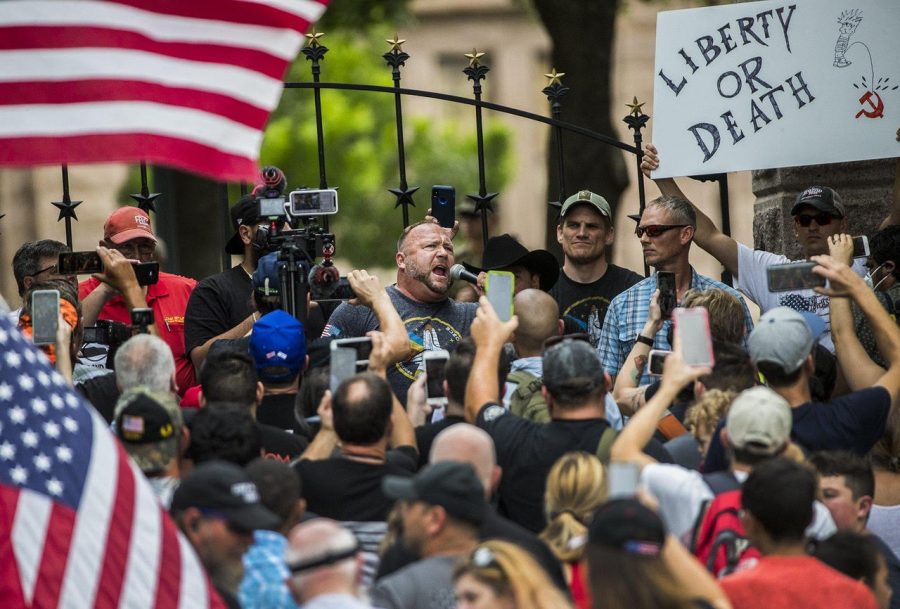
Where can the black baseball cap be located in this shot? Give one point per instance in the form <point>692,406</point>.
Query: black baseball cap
<point>453,486</point>
<point>225,488</point>
<point>149,424</point>
<point>629,526</point>
<point>821,198</point>
<point>245,211</point>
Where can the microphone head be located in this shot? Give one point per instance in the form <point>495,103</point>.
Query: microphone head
<point>456,270</point>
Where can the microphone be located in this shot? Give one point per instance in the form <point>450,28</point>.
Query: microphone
<point>458,271</point>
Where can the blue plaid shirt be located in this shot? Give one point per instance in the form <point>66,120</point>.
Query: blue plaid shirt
<point>627,315</point>
<point>265,572</point>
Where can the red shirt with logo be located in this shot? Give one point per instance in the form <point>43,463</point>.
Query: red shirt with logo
<point>168,299</point>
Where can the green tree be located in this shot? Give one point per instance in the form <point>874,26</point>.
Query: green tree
<point>361,147</point>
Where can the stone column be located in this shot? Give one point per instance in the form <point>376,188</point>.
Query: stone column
<point>865,187</point>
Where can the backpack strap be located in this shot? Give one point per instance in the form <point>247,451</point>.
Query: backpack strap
<point>669,426</point>
<point>721,482</point>
<point>605,445</point>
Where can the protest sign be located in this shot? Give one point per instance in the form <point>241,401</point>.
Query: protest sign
<point>775,84</point>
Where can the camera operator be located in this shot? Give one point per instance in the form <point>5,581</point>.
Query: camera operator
<point>220,306</point>
<point>433,320</point>
<point>115,293</point>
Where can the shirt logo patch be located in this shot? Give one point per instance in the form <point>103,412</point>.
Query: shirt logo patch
<point>493,412</point>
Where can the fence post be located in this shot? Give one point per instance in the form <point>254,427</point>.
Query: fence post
<point>476,72</point>
<point>554,91</point>
<point>396,57</point>
<point>315,52</point>
<point>67,206</point>
<point>145,199</point>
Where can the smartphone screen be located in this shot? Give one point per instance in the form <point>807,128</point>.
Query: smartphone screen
<point>692,329</point>
<point>435,363</point>
<point>656,362</point>
<point>665,282</point>
<point>362,346</point>
<point>341,366</point>
<point>623,479</point>
<point>44,316</point>
<point>79,263</point>
<point>793,276</point>
<point>500,287</point>
<point>861,247</point>
<point>443,205</point>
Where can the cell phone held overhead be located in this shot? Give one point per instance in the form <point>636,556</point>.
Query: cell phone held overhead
<point>435,363</point>
<point>500,287</point>
<point>793,276</point>
<point>693,334</point>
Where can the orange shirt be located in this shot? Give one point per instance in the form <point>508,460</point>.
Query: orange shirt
<point>168,298</point>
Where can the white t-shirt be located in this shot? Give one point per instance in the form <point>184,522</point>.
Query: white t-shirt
<point>884,521</point>
<point>681,493</point>
<point>751,280</point>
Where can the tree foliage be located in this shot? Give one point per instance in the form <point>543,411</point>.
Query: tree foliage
<point>361,147</point>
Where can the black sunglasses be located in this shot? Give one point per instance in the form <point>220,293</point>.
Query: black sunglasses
<point>655,230</point>
<point>51,268</point>
<point>822,219</point>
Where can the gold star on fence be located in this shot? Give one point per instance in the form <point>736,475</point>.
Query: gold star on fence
<point>636,108</point>
<point>555,77</point>
<point>395,43</point>
<point>314,38</point>
<point>473,57</point>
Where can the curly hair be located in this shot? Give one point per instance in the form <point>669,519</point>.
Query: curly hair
<point>703,416</point>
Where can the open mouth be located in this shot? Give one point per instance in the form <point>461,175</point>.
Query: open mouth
<point>440,271</point>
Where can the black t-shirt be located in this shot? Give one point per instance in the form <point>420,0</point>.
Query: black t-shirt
<point>103,393</point>
<point>526,451</point>
<point>495,526</point>
<point>348,490</point>
<point>281,445</point>
<point>583,305</point>
<point>277,410</point>
<point>425,435</point>
<point>217,304</point>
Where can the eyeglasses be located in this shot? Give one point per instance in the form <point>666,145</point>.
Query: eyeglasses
<point>655,230</point>
<point>129,250</point>
<point>51,269</point>
<point>822,219</point>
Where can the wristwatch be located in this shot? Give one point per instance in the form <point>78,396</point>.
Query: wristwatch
<point>640,338</point>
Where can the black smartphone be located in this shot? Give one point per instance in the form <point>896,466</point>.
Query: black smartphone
<point>44,316</point>
<point>147,273</point>
<point>443,205</point>
<point>79,263</point>
<point>793,276</point>
<point>861,247</point>
<point>665,282</point>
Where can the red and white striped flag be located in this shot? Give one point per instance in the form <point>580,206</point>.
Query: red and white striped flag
<point>80,527</point>
<point>184,83</point>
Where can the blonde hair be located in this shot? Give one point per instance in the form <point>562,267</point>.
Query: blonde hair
<point>576,486</point>
<point>726,315</point>
<point>703,416</point>
<point>510,571</point>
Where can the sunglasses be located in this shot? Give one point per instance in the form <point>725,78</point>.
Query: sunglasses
<point>655,230</point>
<point>822,219</point>
<point>51,268</point>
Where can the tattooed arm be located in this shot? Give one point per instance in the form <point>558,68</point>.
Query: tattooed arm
<point>626,392</point>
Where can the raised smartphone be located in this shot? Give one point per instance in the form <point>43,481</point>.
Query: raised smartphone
<point>692,330</point>
<point>500,286</point>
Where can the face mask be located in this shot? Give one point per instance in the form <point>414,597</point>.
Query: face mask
<point>869,279</point>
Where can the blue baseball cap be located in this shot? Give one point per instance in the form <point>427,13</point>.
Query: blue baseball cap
<point>278,346</point>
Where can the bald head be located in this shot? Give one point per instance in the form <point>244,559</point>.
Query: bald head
<point>466,443</point>
<point>538,315</point>
<point>319,539</point>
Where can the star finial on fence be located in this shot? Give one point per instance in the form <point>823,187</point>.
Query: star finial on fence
<point>314,38</point>
<point>636,108</point>
<point>395,43</point>
<point>554,77</point>
<point>474,57</point>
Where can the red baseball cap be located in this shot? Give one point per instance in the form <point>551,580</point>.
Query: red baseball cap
<point>127,223</point>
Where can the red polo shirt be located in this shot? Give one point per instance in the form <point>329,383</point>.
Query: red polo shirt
<point>168,298</point>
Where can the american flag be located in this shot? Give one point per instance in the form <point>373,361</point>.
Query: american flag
<point>79,525</point>
<point>185,83</point>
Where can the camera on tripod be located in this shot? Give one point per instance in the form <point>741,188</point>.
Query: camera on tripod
<point>299,245</point>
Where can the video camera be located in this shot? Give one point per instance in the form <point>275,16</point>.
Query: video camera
<point>300,244</point>
<point>114,333</point>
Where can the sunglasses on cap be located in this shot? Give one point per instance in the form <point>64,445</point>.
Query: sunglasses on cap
<point>822,219</point>
<point>655,230</point>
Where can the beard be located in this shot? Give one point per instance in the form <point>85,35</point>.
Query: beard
<point>581,256</point>
<point>425,277</point>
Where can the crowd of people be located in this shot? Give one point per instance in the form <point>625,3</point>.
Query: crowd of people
<point>562,472</point>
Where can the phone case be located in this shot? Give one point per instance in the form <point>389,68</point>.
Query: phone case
<point>677,314</point>
<point>792,276</point>
<point>512,290</point>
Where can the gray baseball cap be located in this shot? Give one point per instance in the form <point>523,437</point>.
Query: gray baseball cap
<point>785,337</point>
<point>574,365</point>
<point>586,196</point>
<point>759,420</point>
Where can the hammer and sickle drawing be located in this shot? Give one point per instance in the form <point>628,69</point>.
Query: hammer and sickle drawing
<point>877,106</point>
